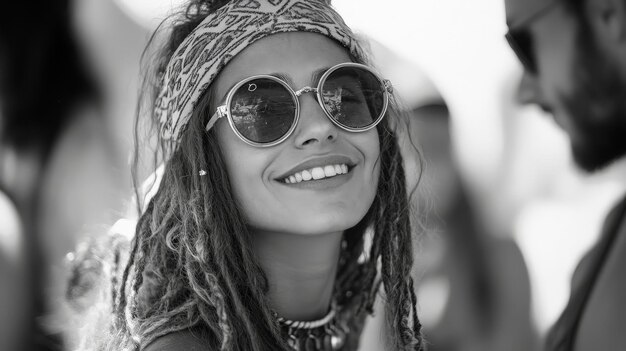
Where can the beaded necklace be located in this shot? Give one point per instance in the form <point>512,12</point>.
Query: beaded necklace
<point>326,334</point>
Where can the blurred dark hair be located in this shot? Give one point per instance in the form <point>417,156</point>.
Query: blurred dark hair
<point>42,74</point>
<point>43,79</point>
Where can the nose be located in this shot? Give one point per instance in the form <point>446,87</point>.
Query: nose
<point>528,90</point>
<point>314,127</point>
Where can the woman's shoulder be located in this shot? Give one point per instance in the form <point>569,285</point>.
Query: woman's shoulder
<point>195,339</point>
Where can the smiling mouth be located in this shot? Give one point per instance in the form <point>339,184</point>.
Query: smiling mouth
<point>317,173</point>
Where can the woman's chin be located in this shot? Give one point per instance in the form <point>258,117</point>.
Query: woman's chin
<point>317,225</point>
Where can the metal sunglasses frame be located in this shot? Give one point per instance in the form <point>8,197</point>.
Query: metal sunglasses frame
<point>224,110</point>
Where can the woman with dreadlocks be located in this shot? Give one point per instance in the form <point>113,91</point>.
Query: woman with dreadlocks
<point>279,157</point>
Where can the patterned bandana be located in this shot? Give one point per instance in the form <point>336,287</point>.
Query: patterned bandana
<point>224,34</point>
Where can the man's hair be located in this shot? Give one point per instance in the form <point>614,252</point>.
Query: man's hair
<point>44,75</point>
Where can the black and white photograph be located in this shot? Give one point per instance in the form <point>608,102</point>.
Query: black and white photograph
<point>313,175</point>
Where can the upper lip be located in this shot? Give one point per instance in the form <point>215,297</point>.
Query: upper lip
<point>318,161</point>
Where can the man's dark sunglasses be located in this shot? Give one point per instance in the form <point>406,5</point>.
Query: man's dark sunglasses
<point>520,40</point>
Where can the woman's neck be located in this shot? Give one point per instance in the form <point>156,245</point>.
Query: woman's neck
<point>301,271</point>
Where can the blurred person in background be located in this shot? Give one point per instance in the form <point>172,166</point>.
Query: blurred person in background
<point>574,58</point>
<point>475,288</point>
<point>472,283</point>
<point>14,306</point>
<point>55,153</point>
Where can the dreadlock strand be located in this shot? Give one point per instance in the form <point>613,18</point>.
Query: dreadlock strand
<point>395,244</point>
<point>220,306</point>
<point>208,291</point>
<point>417,326</point>
<point>121,304</point>
<point>114,272</point>
<point>404,248</point>
<point>140,262</point>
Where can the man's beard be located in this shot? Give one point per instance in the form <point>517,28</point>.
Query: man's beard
<point>596,105</point>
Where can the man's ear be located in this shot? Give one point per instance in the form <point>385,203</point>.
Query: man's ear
<point>607,19</point>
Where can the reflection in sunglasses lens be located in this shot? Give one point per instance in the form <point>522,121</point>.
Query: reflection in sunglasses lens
<point>262,110</point>
<point>354,97</point>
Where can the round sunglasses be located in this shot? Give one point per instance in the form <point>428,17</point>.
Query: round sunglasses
<point>263,110</point>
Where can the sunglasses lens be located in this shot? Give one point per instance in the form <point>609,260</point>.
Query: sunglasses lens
<point>262,110</point>
<point>521,43</point>
<point>354,97</point>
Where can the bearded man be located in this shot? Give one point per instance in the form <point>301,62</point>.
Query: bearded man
<point>574,57</point>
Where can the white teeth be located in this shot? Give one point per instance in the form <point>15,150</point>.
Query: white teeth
<point>329,171</point>
<point>317,173</point>
<point>306,175</point>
